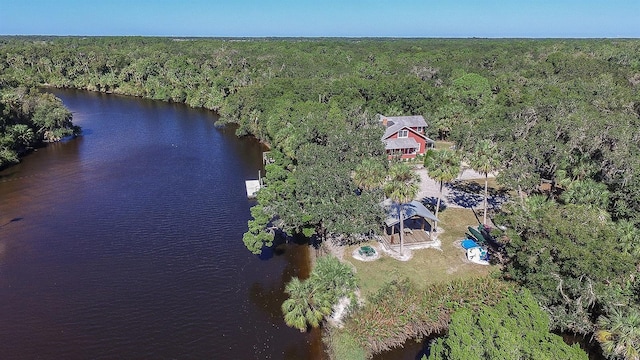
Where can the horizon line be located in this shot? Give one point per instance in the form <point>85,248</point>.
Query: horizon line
<point>387,37</point>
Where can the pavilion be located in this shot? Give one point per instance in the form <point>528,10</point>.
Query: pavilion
<point>416,218</point>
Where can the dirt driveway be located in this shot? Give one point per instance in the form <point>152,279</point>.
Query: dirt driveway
<point>459,193</point>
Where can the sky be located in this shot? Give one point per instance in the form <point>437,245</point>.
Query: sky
<point>324,18</point>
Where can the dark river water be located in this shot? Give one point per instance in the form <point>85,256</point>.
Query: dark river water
<point>126,243</point>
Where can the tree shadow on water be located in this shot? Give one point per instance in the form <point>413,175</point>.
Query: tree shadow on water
<point>269,252</point>
<point>8,176</point>
<point>267,294</point>
<point>280,242</point>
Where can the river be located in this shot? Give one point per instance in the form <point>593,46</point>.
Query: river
<point>126,242</point>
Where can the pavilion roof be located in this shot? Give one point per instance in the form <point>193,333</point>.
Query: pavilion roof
<point>412,209</point>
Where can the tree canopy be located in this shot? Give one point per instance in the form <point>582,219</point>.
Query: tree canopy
<point>28,119</point>
<point>570,258</point>
<point>552,107</point>
<point>515,328</point>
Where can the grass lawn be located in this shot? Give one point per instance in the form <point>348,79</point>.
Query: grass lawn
<point>441,144</point>
<point>427,265</point>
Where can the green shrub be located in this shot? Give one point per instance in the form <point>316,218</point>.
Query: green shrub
<point>516,328</point>
<point>343,346</point>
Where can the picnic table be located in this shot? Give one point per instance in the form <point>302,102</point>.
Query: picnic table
<point>366,251</point>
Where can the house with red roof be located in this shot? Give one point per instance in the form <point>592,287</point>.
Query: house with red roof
<point>404,136</point>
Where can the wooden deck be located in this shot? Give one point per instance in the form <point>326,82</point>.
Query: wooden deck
<point>415,236</point>
<point>412,239</point>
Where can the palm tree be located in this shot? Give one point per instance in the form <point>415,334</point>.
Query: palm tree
<point>305,305</point>
<point>628,237</point>
<point>538,205</point>
<point>587,192</point>
<point>485,159</point>
<point>311,300</point>
<point>401,187</point>
<point>369,175</point>
<point>619,334</point>
<point>333,276</point>
<point>443,166</point>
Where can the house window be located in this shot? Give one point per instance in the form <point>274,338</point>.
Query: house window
<point>403,133</point>
<point>420,129</point>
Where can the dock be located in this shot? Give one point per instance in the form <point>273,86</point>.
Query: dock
<point>253,186</point>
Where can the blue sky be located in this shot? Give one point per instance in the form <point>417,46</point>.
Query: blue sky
<point>331,18</point>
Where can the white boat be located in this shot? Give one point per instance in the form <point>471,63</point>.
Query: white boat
<point>478,255</point>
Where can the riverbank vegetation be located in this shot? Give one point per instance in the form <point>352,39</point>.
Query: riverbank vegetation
<point>311,300</point>
<point>29,119</point>
<point>563,112</point>
<point>400,311</point>
<point>515,328</point>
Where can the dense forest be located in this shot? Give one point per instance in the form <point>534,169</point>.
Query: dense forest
<point>565,112</point>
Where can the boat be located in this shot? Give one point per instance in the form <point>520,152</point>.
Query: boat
<point>477,235</point>
<point>478,255</point>
<point>490,240</point>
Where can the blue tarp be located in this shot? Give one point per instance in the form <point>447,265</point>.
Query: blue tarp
<point>468,244</point>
